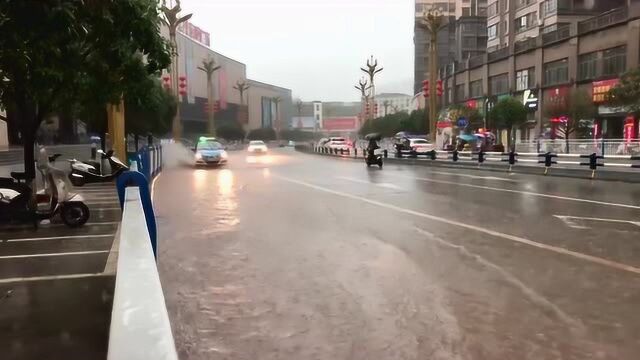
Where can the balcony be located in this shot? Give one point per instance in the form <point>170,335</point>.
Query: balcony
<point>498,54</point>
<point>601,21</point>
<point>562,33</point>
<point>476,61</point>
<point>525,45</point>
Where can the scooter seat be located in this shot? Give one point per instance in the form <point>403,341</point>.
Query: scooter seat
<point>20,176</point>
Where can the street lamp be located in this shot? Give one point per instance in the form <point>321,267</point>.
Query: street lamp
<point>172,19</point>
<point>241,86</point>
<point>277,101</point>
<point>372,70</point>
<point>432,21</point>
<point>362,87</point>
<point>209,67</point>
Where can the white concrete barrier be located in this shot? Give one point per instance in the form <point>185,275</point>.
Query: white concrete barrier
<point>140,327</point>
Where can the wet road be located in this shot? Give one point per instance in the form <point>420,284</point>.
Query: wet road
<point>296,256</point>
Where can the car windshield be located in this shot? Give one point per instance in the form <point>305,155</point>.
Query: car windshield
<point>256,143</point>
<point>209,145</point>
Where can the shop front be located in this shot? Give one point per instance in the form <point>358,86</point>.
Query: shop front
<point>611,122</point>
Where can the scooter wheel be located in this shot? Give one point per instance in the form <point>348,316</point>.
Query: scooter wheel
<point>380,164</point>
<point>74,214</point>
<point>76,181</point>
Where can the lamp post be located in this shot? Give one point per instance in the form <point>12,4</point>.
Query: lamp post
<point>209,67</point>
<point>241,86</point>
<point>432,21</point>
<point>277,101</point>
<point>364,99</point>
<point>172,19</point>
<point>372,70</point>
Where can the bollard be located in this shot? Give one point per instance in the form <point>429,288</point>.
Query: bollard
<point>341,151</point>
<point>355,152</point>
<point>432,154</point>
<point>455,155</point>
<point>512,159</point>
<point>94,151</point>
<point>548,161</point>
<point>480,157</point>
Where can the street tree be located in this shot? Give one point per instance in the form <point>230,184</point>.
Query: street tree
<point>209,67</point>
<point>627,92</point>
<point>507,114</point>
<point>54,53</point>
<point>571,113</point>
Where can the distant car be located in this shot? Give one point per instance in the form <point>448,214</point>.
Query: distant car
<point>209,151</point>
<point>257,147</point>
<point>421,145</point>
<point>337,143</point>
<point>291,143</point>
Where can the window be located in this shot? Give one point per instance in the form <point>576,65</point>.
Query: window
<point>587,66</point>
<point>505,5</point>
<point>492,9</point>
<point>548,7</point>
<point>419,8</point>
<point>317,107</point>
<point>614,61</point>
<point>468,42</point>
<point>317,117</point>
<point>525,79</point>
<point>499,84</point>
<point>556,72</point>
<point>523,3</point>
<point>460,92</point>
<point>492,31</point>
<point>466,11</point>
<point>475,89</point>
<point>505,27</point>
<point>526,22</point>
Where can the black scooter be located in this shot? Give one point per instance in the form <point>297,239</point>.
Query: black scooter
<point>88,172</point>
<point>372,158</point>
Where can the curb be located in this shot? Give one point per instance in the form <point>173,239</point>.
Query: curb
<point>604,175</point>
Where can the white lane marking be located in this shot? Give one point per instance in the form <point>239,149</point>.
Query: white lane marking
<point>568,219</point>
<point>517,239</point>
<point>105,209</point>
<point>58,238</point>
<point>102,203</point>
<point>50,277</point>
<point>627,206</point>
<point>473,176</point>
<point>384,185</point>
<point>89,224</point>
<point>54,254</point>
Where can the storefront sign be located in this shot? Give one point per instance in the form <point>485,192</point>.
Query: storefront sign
<point>601,88</point>
<point>530,100</point>
<point>472,104</point>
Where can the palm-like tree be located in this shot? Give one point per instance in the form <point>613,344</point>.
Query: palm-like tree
<point>209,67</point>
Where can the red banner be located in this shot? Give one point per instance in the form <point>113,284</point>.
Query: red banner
<point>339,123</point>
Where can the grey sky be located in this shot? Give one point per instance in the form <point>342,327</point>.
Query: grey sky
<point>314,47</point>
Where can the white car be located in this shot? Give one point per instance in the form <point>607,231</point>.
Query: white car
<point>421,145</point>
<point>257,147</point>
<point>337,143</point>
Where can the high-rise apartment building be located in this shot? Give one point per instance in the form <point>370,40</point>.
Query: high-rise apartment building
<point>511,21</point>
<point>464,34</point>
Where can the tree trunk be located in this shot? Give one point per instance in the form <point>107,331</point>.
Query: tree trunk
<point>30,120</point>
<point>14,130</point>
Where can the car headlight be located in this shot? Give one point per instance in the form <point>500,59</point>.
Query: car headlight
<point>224,155</point>
<point>198,156</point>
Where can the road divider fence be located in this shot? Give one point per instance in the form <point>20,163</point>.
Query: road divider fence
<point>591,162</point>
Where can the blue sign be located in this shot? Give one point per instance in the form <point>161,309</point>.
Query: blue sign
<point>462,122</point>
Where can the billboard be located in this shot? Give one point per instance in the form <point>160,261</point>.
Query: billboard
<point>346,123</point>
<point>195,33</point>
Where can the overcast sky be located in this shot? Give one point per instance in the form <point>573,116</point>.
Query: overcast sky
<point>313,47</point>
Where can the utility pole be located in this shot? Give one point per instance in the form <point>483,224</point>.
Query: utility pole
<point>299,107</point>
<point>277,101</point>
<point>172,19</point>
<point>209,67</point>
<point>432,21</point>
<point>372,70</point>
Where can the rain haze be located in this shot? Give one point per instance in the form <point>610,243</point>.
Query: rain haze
<point>314,47</point>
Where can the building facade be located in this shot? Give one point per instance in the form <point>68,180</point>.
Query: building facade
<point>331,117</point>
<point>264,109</point>
<point>391,103</point>
<point>590,55</point>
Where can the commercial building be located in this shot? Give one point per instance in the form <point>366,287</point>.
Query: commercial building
<point>462,36</point>
<point>256,109</point>
<point>391,103</point>
<point>331,118</point>
<point>589,54</point>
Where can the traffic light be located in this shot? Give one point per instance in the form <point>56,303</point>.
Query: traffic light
<point>166,82</point>
<point>182,85</point>
<point>375,109</point>
<point>425,88</point>
<point>439,88</point>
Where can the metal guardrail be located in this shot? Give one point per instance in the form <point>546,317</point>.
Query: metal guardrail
<point>563,32</point>
<point>593,160</point>
<point>476,61</point>
<point>147,160</point>
<point>525,45</point>
<point>140,327</point>
<point>609,18</point>
<point>498,54</point>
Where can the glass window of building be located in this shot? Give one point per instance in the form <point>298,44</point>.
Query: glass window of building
<point>588,66</point>
<point>492,31</point>
<point>492,9</point>
<point>475,89</point>
<point>525,79</point>
<point>556,72</point>
<point>614,61</point>
<point>460,92</point>
<point>499,84</point>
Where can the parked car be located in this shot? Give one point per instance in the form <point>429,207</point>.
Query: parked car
<point>421,145</point>
<point>338,143</point>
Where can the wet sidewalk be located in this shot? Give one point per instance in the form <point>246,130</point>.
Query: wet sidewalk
<point>57,283</point>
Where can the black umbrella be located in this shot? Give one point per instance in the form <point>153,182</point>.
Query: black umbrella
<point>373,136</point>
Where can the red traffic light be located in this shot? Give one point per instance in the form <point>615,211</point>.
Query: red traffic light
<point>425,88</point>
<point>439,88</point>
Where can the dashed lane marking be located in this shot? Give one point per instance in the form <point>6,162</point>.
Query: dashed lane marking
<point>54,254</point>
<point>59,238</point>
<point>51,277</point>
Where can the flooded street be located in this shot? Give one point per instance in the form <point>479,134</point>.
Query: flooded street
<point>293,256</point>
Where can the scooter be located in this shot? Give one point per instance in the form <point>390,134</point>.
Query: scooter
<point>373,159</point>
<point>16,202</point>
<point>88,172</point>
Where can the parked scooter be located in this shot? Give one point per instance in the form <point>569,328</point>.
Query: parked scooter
<point>87,172</point>
<point>16,200</point>
<point>372,158</point>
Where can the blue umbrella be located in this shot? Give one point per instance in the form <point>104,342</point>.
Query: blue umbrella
<point>467,137</point>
